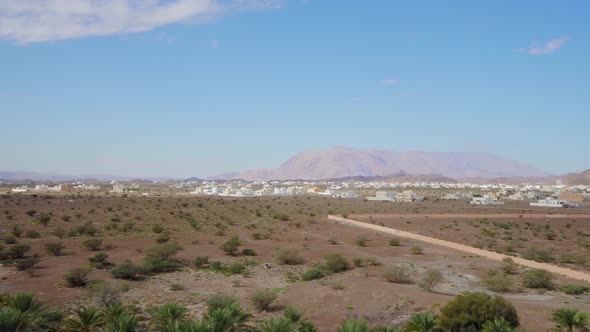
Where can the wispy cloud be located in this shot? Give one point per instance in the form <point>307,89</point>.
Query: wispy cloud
<point>30,21</point>
<point>390,81</point>
<point>357,99</point>
<point>548,48</point>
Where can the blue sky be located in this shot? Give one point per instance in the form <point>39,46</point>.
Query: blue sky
<point>209,87</point>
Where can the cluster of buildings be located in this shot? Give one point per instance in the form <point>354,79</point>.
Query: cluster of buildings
<point>406,196</point>
<point>63,187</point>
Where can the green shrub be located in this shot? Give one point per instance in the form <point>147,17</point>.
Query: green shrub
<point>77,277</point>
<point>398,274</point>
<point>312,274</point>
<point>157,228</point>
<point>362,240</point>
<point>263,299</point>
<point>249,252</point>
<point>127,271</point>
<point>498,283</point>
<point>9,239</point>
<point>538,255</point>
<point>431,279</point>
<point>336,263</point>
<point>231,245</point>
<point>160,258</point>
<point>537,278</point>
<point>236,268</point>
<point>19,250</point>
<point>93,244</point>
<point>99,260</point>
<point>26,263</point>
<point>289,256</point>
<point>468,312</point>
<point>575,289</point>
<point>220,301</point>
<point>54,248</point>
<point>417,250</point>
<point>32,234</point>
<point>509,266</point>
<point>395,242</point>
<point>200,261</point>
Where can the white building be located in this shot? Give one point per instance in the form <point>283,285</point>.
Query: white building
<point>552,202</point>
<point>486,200</point>
<point>20,189</point>
<point>118,188</point>
<point>382,195</point>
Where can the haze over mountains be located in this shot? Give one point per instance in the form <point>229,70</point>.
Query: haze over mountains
<point>364,164</point>
<point>341,162</point>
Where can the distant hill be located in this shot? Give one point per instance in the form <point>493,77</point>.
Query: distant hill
<point>342,162</point>
<point>575,179</point>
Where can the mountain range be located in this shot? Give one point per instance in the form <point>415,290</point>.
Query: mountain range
<point>340,162</point>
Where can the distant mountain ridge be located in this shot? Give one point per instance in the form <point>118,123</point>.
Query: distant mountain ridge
<point>575,179</point>
<point>342,162</point>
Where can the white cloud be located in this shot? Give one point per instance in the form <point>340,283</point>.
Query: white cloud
<point>30,21</point>
<point>390,81</point>
<point>549,47</point>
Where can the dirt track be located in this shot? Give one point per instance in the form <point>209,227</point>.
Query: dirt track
<point>468,249</point>
<point>475,216</point>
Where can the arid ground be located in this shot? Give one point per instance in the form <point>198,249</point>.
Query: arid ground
<point>271,225</point>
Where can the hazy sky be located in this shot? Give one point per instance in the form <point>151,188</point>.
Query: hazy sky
<point>200,87</point>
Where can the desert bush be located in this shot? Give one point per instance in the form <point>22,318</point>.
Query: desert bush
<point>54,248</point>
<point>16,231</point>
<point>289,256</point>
<point>99,260</point>
<point>575,289</point>
<point>163,238</point>
<point>362,240</point>
<point>417,250</point>
<point>159,258</point>
<point>249,252</point>
<point>127,271</point>
<point>9,239</point>
<point>538,255</point>
<point>105,294</point>
<point>430,280</point>
<point>93,244</point>
<point>312,274</point>
<point>398,274</point>
<point>509,266</point>
<point>32,234</point>
<point>231,245</point>
<point>336,263</point>
<point>498,282</point>
<point>263,299</point>
<point>200,261</point>
<point>220,301</point>
<point>44,219</point>
<point>77,277</point>
<point>18,251</point>
<point>24,264</point>
<point>468,312</point>
<point>395,242</point>
<point>157,228</point>
<point>537,278</point>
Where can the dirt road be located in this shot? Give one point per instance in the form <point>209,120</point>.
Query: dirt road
<point>468,249</point>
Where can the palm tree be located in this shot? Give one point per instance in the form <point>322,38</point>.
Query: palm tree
<point>353,325</point>
<point>86,319</point>
<point>570,319</point>
<point>168,316</point>
<point>228,319</point>
<point>498,325</point>
<point>386,329</point>
<point>24,312</point>
<point>123,323</point>
<point>276,324</point>
<point>422,322</point>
